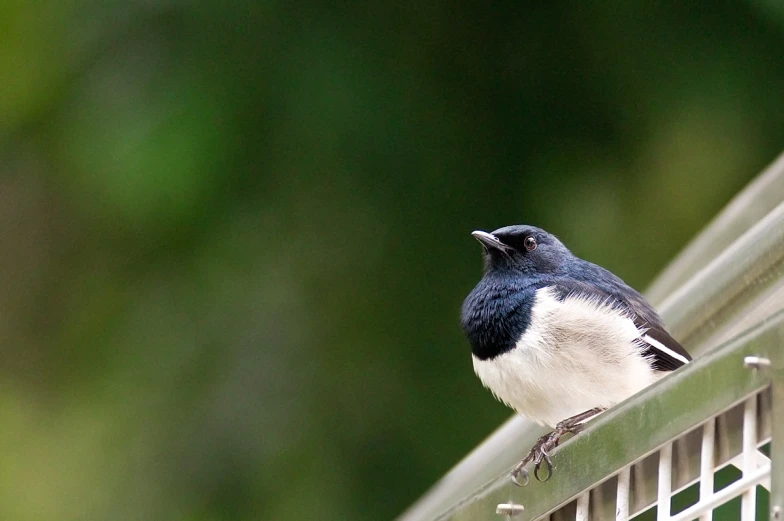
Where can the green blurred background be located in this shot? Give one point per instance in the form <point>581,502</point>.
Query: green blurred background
<point>236,236</point>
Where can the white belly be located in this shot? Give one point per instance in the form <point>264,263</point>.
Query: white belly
<point>576,354</point>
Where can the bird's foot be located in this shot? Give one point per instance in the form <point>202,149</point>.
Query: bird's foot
<point>540,452</point>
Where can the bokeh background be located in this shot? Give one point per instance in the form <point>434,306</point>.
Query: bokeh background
<point>235,236</point>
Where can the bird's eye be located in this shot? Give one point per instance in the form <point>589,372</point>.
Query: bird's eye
<point>530,243</point>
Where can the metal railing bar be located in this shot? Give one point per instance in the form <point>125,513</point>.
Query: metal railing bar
<point>665,483</point>
<point>622,496</point>
<point>752,264</point>
<point>583,507</point>
<point>685,475</point>
<point>724,495</point>
<point>707,464</point>
<point>777,441</point>
<point>646,505</point>
<point>728,450</point>
<point>747,208</point>
<point>764,304</point>
<point>749,499</point>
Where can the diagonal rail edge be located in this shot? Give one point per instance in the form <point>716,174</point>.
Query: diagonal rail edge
<point>741,273</point>
<point>747,208</point>
<point>636,427</point>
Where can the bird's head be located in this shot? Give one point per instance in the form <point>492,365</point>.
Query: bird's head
<point>522,248</point>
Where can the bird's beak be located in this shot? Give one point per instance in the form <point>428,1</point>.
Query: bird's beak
<point>489,240</point>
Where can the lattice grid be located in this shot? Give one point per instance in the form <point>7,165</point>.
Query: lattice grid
<point>715,446</point>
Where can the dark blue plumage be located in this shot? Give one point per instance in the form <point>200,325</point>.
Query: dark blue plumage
<point>497,312</point>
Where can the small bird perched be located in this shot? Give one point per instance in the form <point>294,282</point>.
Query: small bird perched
<point>557,338</point>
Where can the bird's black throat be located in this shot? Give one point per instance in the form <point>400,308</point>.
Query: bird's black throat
<point>495,315</point>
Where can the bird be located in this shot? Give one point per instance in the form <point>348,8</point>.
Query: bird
<point>558,338</point>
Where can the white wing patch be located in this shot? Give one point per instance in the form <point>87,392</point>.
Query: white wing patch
<point>664,349</point>
<point>577,353</point>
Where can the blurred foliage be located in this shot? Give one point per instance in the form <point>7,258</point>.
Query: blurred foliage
<point>236,235</point>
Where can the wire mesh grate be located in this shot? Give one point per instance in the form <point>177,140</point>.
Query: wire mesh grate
<point>670,476</point>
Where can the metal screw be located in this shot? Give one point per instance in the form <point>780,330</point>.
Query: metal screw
<point>756,362</point>
<point>509,509</point>
<point>776,512</point>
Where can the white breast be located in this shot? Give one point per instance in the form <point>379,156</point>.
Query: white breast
<point>577,354</point>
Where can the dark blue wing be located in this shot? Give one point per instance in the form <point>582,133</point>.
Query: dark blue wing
<point>665,353</point>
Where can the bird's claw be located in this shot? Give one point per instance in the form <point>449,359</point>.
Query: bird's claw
<point>538,455</point>
<point>537,466</point>
<point>516,473</point>
<point>541,450</point>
